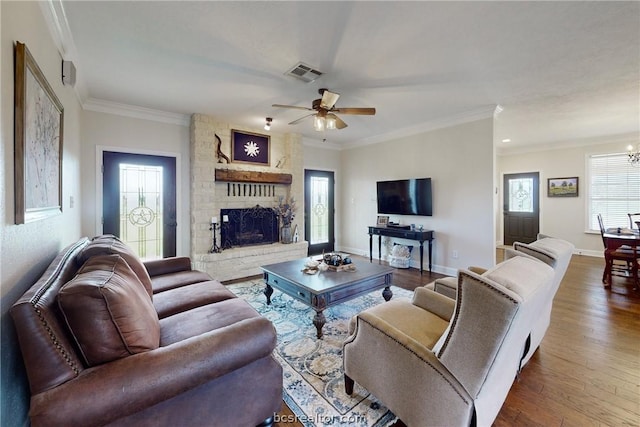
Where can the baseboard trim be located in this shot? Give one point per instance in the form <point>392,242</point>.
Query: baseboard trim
<point>588,252</point>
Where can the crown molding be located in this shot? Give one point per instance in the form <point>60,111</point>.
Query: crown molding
<point>56,20</point>
<point>622,139</point>
<point>102,106</point>
<point>465,117</point>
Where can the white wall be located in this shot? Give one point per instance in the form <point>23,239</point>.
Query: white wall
<point>565,218</point>
<point>119,133</point>
<point>27,249</point>
<point>460,161</point>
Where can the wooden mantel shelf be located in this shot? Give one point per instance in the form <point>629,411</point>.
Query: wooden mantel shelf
<point>228,175</point>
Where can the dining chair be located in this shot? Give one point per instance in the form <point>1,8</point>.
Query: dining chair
<point>634,220</point>
<point>620,259</point>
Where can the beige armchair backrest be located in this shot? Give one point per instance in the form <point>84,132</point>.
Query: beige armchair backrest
<point>493,316</point>
<point>555,252</point>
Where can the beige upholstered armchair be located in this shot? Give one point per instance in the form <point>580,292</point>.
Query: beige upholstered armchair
<point>436,361</point>
<point>552,251</point>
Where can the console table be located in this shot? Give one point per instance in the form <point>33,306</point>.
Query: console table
<point>417,235</point>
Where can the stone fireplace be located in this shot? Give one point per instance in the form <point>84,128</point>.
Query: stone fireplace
<point>235,189</point>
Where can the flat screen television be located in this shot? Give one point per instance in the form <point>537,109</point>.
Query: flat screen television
<point>405,197</point>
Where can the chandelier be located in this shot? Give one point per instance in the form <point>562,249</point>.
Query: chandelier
<point>634,156</point>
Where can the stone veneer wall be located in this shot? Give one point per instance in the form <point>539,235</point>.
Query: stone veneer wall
<point>209,196</point>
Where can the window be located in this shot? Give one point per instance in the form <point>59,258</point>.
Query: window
<point>521,195</point>
<point>614,190</point>
<point>141,221</point>
<point>319,218</point>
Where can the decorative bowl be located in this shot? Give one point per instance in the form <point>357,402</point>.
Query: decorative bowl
<point>311,263</point>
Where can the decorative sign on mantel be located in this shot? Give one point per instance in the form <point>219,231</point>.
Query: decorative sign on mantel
<point>247,147</point>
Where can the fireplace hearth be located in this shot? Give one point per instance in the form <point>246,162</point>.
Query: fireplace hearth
<point>248,227</point>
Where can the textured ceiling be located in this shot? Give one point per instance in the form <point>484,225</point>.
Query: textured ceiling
<point>561,71</point>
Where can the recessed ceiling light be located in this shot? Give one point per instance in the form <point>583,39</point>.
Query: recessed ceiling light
<point>506,140</point>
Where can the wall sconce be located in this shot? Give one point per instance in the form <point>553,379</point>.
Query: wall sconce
<point>267,125</point>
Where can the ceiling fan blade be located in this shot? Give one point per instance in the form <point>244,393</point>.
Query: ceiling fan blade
<point>291,106</point>
<point>360,111</point>
<point>329,99</point>
<point>295,122</point>
<point>340,124</point>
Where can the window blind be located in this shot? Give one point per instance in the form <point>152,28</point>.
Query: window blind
<point>614,190</point>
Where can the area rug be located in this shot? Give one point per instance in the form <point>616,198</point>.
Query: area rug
<point>313,377</point>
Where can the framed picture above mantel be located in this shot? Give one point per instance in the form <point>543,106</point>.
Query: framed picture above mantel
<point>247,147</point>
<point>39,120</point>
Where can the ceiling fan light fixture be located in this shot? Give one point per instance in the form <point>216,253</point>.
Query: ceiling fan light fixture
<point>325,113</point>
<point>330,123</point>
<point>267,125</point>
<point>319,122</point>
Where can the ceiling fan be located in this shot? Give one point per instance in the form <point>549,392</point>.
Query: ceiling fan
<point>324,111</point>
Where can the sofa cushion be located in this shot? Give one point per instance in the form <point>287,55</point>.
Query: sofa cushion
<point>111,245</point>
<point>419,324</point>
<point>108,311</point>
<point>185,298</point>
<point>200,320</point>
<point>177,279</point>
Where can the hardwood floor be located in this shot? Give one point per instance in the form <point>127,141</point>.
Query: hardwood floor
<point>587,369</point>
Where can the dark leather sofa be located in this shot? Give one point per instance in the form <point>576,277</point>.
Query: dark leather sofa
<point>109,340</point>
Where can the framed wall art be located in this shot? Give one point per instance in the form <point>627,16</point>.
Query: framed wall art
<point>562,187</point>
<point>39,119</point>
<point>247,147</point>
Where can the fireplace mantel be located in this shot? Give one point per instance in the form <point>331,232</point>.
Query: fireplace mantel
<point>230,175</point>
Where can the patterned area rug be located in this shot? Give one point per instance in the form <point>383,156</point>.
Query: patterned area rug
<point>313,376</point>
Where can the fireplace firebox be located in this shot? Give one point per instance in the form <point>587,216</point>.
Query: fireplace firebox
<point>250,226</point>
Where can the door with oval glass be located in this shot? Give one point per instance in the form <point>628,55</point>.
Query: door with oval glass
<point>319,211</point>
<point>521,207</point>
<point>139,202</point>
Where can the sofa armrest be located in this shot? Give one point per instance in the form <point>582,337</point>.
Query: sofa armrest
<point>438,304</point>
<point>131,384</point>
<point>447,286</point>
<point>158,267</point>
<point>477,270</point>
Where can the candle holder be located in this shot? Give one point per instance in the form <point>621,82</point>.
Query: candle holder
<point>215,249</point>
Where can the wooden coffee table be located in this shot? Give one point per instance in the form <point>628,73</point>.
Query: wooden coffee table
<point>325,288</point>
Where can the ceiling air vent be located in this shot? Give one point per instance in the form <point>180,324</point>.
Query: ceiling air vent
<point>304,72</point>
